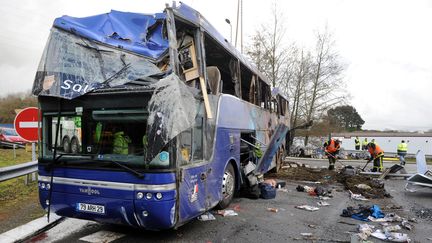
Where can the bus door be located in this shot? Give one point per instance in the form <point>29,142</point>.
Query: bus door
<point>193,171</point>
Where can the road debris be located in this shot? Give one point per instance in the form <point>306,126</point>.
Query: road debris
<point>391,236</point>
<point>274,210</point>
<point>307,207</point>
<point>206,217</point>
<point>363,186</point>
<point>407,225</point>
<point>323,204</point>
<point>357,197</point>
<point>312,226</point>
<point>307,234</point>
<point>363,213</point>
<point>227,212</point>
<point>392,228</point>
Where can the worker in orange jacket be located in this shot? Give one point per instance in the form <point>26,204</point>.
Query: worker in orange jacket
<point>332,148</point>
<point>377,154</point>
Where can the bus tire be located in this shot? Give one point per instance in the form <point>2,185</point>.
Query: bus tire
<point>74,146</point>
<point>66,145</point>
<point>227,186</point>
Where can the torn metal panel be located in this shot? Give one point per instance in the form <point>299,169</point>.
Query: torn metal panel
<point>276,141</point>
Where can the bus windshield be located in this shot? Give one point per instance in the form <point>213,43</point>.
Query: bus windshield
<point>72,66</point>
<point>105,135</point>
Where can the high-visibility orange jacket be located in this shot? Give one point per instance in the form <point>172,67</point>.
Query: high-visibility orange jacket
<point>332,147</point>
<point>375,152</point>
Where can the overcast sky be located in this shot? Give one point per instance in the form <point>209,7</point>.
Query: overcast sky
<point>387,45</point>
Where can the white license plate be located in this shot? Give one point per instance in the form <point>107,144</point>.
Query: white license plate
<point>91,208</point>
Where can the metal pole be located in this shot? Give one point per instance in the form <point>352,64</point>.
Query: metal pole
<point>229,22</point>
<point>14,152</point>
<point>33,159</point>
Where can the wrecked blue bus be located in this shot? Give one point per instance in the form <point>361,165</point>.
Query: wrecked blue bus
<point>167,115</point>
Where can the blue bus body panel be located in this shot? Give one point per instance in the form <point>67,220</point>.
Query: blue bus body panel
<point>193,190</point>
<point>121,29</point>
<point>265,161</point>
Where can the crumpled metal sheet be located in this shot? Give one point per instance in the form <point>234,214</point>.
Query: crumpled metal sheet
<point>139,33</point>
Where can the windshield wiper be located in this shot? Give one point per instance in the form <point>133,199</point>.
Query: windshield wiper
<point>132,171</point>
<point>115,75</point>
<point>88,46</point>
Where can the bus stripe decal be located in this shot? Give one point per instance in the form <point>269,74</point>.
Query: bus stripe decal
<point>109,185</point>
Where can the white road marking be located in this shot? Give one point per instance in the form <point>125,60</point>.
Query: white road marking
<point>28,124</point>
<point>102,236</point>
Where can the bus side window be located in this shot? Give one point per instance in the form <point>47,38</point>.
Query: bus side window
<point>185,146</point>
<point>198,139</point>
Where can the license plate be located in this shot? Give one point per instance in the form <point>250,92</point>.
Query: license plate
<point>91,208</point>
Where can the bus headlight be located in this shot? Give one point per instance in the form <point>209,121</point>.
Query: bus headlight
<point>149,195</point>
<point>47,202</point>
<point>43,185</point>
<point>48,186</point>
<point>140,195</point>
<point>158,196</point>
<point>145,213</point>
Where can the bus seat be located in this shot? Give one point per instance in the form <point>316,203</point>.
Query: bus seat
<point>214,79</point>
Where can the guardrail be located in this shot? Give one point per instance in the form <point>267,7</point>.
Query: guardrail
<point>11,144</point>
<point>14,171</point>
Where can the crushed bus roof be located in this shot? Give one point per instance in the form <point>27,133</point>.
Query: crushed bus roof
<point>142,33</point>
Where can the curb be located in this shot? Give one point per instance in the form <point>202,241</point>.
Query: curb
<point>32,228</point>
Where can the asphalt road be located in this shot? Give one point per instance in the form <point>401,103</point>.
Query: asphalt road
<point>255,223</point>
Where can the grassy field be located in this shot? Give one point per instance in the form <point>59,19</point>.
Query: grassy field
<point>7,157</point>
<point>19,202</point>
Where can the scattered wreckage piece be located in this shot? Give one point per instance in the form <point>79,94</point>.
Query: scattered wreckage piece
<point>419,181</point>
<point>391,236</point>
<point>307,208</point>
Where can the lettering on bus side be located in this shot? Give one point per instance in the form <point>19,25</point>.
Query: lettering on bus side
<point>69,84</point>
<point>89,191</point>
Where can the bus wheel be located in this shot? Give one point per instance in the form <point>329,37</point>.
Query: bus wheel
<point>66,145</point>
<point>228,187</point>
<point>74,146</point>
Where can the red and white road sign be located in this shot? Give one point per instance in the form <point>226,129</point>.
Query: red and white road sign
<point>27,123</point>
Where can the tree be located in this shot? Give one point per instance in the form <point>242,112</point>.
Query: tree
<point>345,117</point>
<point>267,50</point>
<point>11,102</point>
<point>326,81</point>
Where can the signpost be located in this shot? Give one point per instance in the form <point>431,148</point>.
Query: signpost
<point>26,124</point>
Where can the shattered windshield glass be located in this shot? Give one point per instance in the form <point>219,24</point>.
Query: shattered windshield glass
<point>72,66</point>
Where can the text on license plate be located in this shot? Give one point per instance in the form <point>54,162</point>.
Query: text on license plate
<point>92,208</point>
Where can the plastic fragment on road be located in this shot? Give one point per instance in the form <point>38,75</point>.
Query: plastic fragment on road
<point>227,212</point>
<point>358,197</point>
<point>206,217</point>
<point>307,208</point>
<point>307,234</point>
<point>274,210</point>
<point>323,203</point>
<point>391,236</point>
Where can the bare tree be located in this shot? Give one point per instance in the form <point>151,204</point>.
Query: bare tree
<point>267,49</point>
<point>326,86</point>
